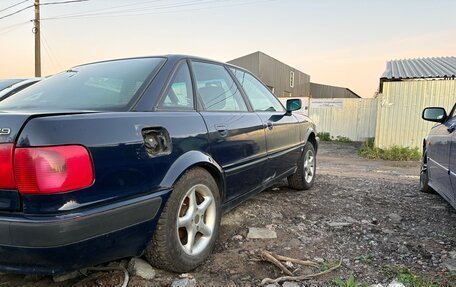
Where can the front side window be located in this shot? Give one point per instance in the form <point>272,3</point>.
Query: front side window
<point>179,94</point>
<point>260,97</point>
<point>111,85</point>
<point>216,88</point>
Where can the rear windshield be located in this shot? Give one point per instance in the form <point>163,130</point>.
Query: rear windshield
<point>110,86</point>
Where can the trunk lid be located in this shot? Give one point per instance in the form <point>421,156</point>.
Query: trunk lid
<point>11,125</point>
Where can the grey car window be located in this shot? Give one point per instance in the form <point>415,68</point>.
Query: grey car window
<point>216,88</point>
<point>260,97</point>
<point>179,94</point>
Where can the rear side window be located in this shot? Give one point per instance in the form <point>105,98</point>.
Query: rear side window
<point>179,94</point>
<point>216,88</point>
<point>111,85</point>
<point>260,97</point>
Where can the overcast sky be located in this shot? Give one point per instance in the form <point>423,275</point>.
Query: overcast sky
<point>338,42</point>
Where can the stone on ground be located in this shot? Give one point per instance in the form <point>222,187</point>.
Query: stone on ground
<point>140,268</point>
<point>261,233</point>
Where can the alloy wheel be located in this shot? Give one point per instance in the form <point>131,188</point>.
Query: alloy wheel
<point>309,166</point>
<point>196,219</point>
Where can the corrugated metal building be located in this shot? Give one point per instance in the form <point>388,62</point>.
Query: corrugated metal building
<point>283,80</point>
<point>406,88</point>
<point>326,91</point>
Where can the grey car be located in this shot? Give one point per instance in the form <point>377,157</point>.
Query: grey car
<point>9,87</point>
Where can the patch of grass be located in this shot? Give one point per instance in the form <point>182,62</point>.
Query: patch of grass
<point>364,258</point>
<point>350,282</point>
<point>368,150</point>
<point>327,264</point>
<point>324,137</point>
<point>342,139</point>
<point>409,278</point>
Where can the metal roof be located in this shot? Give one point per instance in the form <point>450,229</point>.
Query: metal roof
<point>436,67</point>
<point>327,91</point>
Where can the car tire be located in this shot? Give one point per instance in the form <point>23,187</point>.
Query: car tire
<point>304,176</point>
<point>192,211</point>
<point>424,180</point>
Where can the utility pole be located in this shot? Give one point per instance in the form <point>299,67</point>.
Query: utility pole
<point>36,31</point>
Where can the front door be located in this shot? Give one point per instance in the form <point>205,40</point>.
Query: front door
<point>283,137</point>
<point>453,153</point>
<point>440,144</point>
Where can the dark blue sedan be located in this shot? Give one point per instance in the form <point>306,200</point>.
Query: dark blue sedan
<point>139,156</point>
<point>438,172</point>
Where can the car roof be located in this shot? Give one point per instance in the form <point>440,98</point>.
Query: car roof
<point>172,57</point>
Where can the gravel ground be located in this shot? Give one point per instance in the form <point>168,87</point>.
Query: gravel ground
<point>369,214</point>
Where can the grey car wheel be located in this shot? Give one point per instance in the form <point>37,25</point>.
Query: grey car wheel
<point>188,226</point>
<point>196,220</point>
<point>304,176</point>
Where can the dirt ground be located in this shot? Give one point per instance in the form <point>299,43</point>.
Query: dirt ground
<point>369,214</point>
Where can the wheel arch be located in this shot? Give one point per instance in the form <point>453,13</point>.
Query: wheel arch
<point>191,160</point>
<point>312,138</point>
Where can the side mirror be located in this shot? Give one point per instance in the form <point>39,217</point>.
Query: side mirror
<point>293,105</point>
<point>434,114</point>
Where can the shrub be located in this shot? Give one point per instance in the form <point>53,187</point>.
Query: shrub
<point>350,282</point>
<point>368,150</point>
<point>325,137</point>
<point>342,139</point>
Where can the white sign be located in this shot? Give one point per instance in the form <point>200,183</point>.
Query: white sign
<point>326,103</point>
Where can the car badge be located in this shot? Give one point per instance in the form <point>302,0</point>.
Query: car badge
<point>5,131</point>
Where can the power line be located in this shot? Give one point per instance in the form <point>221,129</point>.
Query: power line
<point>16,12</point>
<point>11,28</point>
<point>55,62</point>
<point>63,2</point>
<point>114,7</point>
<point>43,4</point>
<point>9,7</point>
<point>139,11</point>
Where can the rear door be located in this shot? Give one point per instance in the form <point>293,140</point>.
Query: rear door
<point>440,144</point>
<point>283,136</point>
<point>236,134</point>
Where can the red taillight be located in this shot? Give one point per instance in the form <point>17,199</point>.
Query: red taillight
<point>45,170</point>
<point>6,167</point>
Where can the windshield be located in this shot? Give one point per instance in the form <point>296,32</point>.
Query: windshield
<point>111,86</point>
<point>7,83</point>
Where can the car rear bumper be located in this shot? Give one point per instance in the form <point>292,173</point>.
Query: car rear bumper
<point>55,244</point>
